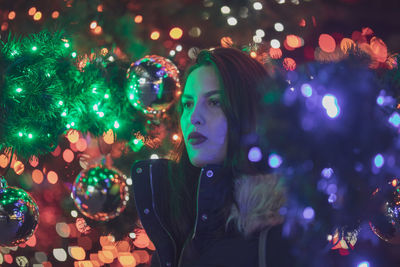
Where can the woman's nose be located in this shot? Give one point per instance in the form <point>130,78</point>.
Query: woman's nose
<point>197,117</point>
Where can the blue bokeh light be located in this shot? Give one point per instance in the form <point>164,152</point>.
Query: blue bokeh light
<point>379,161</point>
<point>274,160</point>
<point>327,173</point>
<point>363,264</point>
<point>380,100</point>
<point>330,103</point>
<point>308,213</point>
<point>306,90</point>
<point>255,154</point>
<point>394,119</point>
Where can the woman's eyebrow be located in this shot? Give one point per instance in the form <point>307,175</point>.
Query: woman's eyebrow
<point>213,92</point>
<point>209,93</point>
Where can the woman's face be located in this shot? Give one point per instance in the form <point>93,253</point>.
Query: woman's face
<point>203,123</point>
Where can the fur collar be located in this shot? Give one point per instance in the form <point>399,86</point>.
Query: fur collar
<point>258,200</point>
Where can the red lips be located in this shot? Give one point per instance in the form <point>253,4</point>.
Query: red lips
<point>196,138</point>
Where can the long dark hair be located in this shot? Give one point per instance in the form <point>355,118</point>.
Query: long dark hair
<point>244,80</point>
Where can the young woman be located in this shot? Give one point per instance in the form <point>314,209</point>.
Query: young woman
<point>211,206</point>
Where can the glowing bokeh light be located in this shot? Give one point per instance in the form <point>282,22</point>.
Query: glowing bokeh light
<point>106,256</point>
<point>19,167</point>
<point>289,63</point>
<point>63,229</point>
<point>52,177</point>
<point>11,15</point>
<point>226,42</point>
<point>100,8</point>
<point>154,156</point>
<point>126,259</point>
<point>225,10</point>
<point>260,33</point>
<point>232,21</point>
<point>73,136</point>
<point>138,19</point>
<point>255,154</point>
<point>306,90</point>
<point>4,26</point>
<point>293,41</point>
<point>327,173</point>
<point>257,39</point>
<point>380,100</point>
<point>76,252</point>
<point>346,44</point>
<point>330,103</point>
<point>275,53</point>
<point>93,25</point>
<point>274,160</point>
<point>195,32</point>
<point>68,155</point>
<point>257,6</point>
<point>55,14</point>
<point>74,213</point>
<point>56,151</point>
<point>155,35</point>
<point>326,43</point>
<point>308,213</point>
<point>379,49</point>
<point>394,119</point>
<point>363,264</point>
<point>379,161</point>
<point>279,27</point>
<point>60,254</point>
<point>109,137</point>
<point>37,176</point>
<point>81,145</point>
<point>37,16</point>
<point>32,11</point>
<point>34,161</point>
<point>3,161</point>
<point>98,30</point>
<point>176,33</point>
<point>275,43</point>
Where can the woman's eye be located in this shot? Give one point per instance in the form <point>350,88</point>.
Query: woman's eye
<point>214,102</point>
<point>186,104</point>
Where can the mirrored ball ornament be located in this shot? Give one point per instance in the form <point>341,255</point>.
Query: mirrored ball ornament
<point>386,220</point>
<point>19,216</point>
<point>153,84</point>
<point>100,193</point>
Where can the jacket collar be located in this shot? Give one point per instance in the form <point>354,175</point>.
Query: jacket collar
<point>258,198</point>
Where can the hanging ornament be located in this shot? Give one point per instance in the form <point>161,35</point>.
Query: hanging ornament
<point>386,202</point>
<point>153,84</point>
<point>100,193</point>
<point>19,215</point>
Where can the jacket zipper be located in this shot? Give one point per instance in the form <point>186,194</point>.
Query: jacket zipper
<point>195,224</point>
<point>155,213</point>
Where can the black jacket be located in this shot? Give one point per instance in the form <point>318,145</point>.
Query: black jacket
<point>253,244</point>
